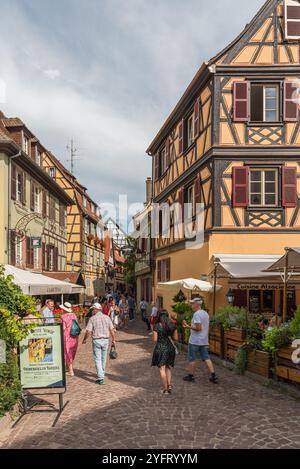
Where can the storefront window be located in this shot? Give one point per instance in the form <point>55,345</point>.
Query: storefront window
<point>267,300</point>
<point>254,301</point>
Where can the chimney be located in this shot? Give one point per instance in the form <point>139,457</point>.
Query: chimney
<point>148,190</point>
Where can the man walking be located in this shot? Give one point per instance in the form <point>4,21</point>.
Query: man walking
<point>131,305</point>
<point>198,342</point>
<point>100,328</point>
<point>48,312</point>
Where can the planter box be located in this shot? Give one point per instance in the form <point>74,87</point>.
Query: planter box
<point>259,363</point>
<point>233,339</point>
<point>215,341</point>
<point>285,368</point>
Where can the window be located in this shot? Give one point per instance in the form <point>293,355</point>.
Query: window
<point>292,19</point>
<point>19,193</point>
<point>263,187</point>
<point>26,144</point>
<point>164,270</point>
<point>189,131</point>
<point>84,201</point>
<point>52,172</point>
<point>19,249</point>
<point>264,103</point>
<point>189,199</point>
<point>36,262</point>
<point>162,162</point>
<point>37,199</point>
<point>39,158</point>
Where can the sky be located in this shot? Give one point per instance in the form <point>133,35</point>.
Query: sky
<point>107,73</point>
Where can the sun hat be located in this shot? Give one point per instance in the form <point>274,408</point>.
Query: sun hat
<point>67,307</point>
<point>96,306</point>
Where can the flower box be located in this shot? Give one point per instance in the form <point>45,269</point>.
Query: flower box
<point>285,367</point>
<point>259,362</point>
<point>233,339</point>
<point>216,341</point>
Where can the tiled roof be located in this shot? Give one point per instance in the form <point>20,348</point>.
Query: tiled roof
<point>71,277</point>
<point>4,136</point>
<point>12,122</point>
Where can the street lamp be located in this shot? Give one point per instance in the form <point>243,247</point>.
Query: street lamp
<point>230,296</point>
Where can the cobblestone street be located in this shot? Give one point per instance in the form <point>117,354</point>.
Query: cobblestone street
<point>129,411</point>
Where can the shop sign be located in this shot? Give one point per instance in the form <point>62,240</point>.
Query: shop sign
<point>262,286</point>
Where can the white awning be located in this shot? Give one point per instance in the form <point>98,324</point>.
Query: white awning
<point>247,265</point>
<point>291,258</point>
<point>32,283</point>
<point>191,284</point>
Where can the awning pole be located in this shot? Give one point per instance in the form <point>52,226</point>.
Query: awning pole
<point>62,299</point>
<point>215,287</point>
<point>285,280</point>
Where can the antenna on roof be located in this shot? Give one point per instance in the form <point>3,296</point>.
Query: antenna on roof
<point>73,155</point>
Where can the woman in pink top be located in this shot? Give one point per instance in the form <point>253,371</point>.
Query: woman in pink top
<point>70,343</point>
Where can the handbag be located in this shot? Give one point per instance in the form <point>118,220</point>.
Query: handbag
<point>113,353</point>
<point>75,329</point>
<point>176,349</point>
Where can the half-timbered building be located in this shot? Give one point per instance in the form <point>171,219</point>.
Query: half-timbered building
<point>232,143</point>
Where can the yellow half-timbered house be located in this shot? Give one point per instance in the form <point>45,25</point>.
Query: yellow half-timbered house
<point>232,143</point>
<point>85,250</point>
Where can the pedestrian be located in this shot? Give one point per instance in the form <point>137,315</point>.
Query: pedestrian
<point>153,317</point>
<point>105,307</point>
<point>124,311</point>
<point>100,328</point>
<point>131,305</point>
<point>144,313</point>
<point>114,314</point>
<point>70,341</point>
<point>48,312</point>
<point>165,350</point>
<point>198,342</point>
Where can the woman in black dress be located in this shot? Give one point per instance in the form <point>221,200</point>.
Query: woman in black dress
<point>164,351</point>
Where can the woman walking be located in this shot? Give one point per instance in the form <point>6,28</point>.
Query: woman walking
<point>70,342</point>
<point>164,351</point>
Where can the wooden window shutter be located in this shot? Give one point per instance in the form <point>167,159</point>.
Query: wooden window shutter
<point>289,186</point>
<point>13,182</point>
<point>240,186</point>
<point>181,137</point>
<point>24,188</point>
<point>196,118</point>
<point>44,256</point>
<point>62,215</point>
<point>44,209</point>
<point>13,248</point>
<point>56,259</point>
<point>241,101</point>
<point>159,271</point>
<point>156,166</point>
<point>31,195</point>
<point>181,202</point>
<point>292,19</point>
<point>290,107</point>
<point>168,152</point>
<point>29,252</point>
<point>168,269</point>
<point>198,191</point>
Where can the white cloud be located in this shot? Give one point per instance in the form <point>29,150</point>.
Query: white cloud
<point>52,73</point>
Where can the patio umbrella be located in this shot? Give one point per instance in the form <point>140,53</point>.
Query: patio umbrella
<point>191,284</point>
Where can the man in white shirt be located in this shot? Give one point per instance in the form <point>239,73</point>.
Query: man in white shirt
<point>198,342</point>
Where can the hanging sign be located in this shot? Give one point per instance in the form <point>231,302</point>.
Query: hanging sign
<point>36,242</point>
<point>42,358</point>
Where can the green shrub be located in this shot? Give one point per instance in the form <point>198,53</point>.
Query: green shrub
<point>10,386</point>
<point>230,316</point>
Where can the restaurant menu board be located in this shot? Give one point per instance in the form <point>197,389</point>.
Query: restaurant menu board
<point>41,358</point>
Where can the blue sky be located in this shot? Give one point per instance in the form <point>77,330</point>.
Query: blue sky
<point>108,73</point>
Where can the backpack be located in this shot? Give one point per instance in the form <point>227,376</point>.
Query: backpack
<point>75,329</point>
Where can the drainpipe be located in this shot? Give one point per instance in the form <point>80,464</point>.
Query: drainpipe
<point>9,205</point>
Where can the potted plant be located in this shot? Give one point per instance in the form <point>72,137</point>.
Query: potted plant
<point>183,311</point>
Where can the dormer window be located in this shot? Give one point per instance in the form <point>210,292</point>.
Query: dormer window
<point>38,157</point>
<point>84,201</point>
<point>189,131</point>
<point>26,144</point>
<point>52,172</point>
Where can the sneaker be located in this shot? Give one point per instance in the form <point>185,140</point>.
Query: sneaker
<point>189,378</point>
<point>214,379</point>
<point>100,381</point>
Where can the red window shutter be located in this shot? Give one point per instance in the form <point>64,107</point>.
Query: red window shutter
<point>289,186</point>
<point>180,136</point>
<point>168,269</point>
<point>13,182</point>
<point>159,271</point>
<point>13,248</point>
<point>156,166</point>
<point>44,204</point>
<point>168,152</point>
<point>196,118</point>
<point>240,186</point>
<point>181,202</point>
<point>29,252</point>
<point>197,191</point>
<point>241,106</point>
<point>290,107</point>
<point>32,196</point>
<point>24,188</point>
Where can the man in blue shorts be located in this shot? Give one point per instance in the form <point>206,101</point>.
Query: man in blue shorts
<point>198,343</point>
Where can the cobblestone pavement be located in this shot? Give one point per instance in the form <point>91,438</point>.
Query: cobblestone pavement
<point>130,412</point>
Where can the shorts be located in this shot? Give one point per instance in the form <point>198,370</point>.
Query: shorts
<point>194,350</point>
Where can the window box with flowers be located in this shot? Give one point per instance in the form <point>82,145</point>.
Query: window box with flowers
<point>90,238</point>
<point>98,242</point>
